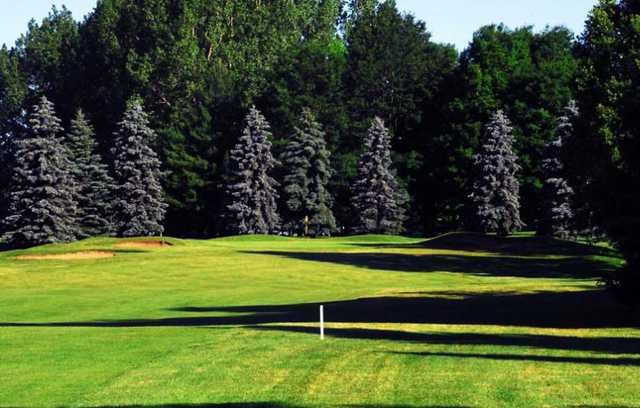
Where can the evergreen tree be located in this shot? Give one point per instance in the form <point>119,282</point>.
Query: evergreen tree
<point>7,147</point>
<point>139,207</point>
<point>495,191</point>
<point>307,174</point>
<point>556,204</point>
<point>377,197</point>
<point>42,208</point>
<point>250,190</point>
<point>95,186</point>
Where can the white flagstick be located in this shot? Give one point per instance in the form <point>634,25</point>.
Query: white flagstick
<point>321,322</point>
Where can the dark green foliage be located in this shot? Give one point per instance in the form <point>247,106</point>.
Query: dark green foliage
<point>198,65</point>
<point>495,194</point>
<point>41,206</point>
<point>48,57</point>
<point>250,189</point>
<point>139,206</point>
<point>95,191</point>
<point>395,72</point>
<point>609,100</point>
<point>378,200</point>
<point>527,74</point>
<point>306,177</point>
<point>556,212</point>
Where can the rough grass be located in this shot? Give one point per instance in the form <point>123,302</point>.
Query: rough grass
<point>459,321</point>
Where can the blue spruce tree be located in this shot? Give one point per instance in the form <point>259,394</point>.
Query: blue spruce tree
<point>495,192</point>
<point>557,214</point>
<point>307,173</point>
<point>250,190</point>
<point>41,200</point>
<point>139,206</point>
<point>378,200</point>
<point>95,186</point>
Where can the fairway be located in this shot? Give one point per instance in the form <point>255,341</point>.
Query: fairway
<point>462,320</point>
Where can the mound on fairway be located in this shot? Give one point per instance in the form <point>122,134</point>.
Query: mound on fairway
<point>143,244</point>
<point>69,256</point>
<point>460,321</point>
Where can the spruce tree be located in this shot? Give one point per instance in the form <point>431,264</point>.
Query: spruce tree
<point>42,207</point>
<point>95,186</point>
<point>250,190</point>
<point>556,214</point>
<point>139,206</point>
<point>307,173</point>
<point>377,197</point>
<point>495,190</point>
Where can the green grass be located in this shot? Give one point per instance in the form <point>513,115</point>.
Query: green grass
<point>459,321</point>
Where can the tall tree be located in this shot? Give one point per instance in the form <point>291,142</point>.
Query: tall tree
<point>495,191</point>
<point>556,211</point>
<point>139,206</point>
<point>13,91</point>
<point>530,75</point>
<point>198,65</point>
<point>377,198</point>
<point>95,187</point>
<point>396,72</point>
<point>49,63</point>
<point>250,189</point>
<point>306,177</point>
<point>609,100</point>
<point>42,208</point>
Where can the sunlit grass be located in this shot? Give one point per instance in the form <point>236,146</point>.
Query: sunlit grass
<point>463,320</point>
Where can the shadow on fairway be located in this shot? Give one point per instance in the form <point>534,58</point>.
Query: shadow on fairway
<point>275,405</point>
<point>622,361</point>
<point>283,405</point>
<point>499,266</point>
<point>609,345</point>
<point>581,309</point>
<point>513,246</point>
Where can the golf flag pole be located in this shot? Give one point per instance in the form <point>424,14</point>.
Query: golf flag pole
<point>321,322</point>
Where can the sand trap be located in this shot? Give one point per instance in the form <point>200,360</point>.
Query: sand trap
<point>142,244</point>
<point>69,256</point>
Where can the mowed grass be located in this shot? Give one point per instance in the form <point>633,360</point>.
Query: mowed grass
<point>459,321</point>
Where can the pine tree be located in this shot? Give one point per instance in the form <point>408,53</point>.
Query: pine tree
<point>250,190</point>
<point>377,197</point>
<point>495,191</point>
<point>95,186</point>
<point>556,205</point>
<point>307,173</point>
<point>42,208</point>
<point>139,207</point>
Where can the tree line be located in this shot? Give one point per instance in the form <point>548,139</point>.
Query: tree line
<point>199,66</point>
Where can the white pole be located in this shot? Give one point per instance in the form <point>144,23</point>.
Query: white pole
<point>321,322</point>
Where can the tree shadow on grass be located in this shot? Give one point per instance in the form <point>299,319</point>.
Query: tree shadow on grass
<point>511,246</point>
<point>496,266</point>
<point>621,361</point>
<point>275,405</point>
<point>580,309</point>
<point>608,345</point>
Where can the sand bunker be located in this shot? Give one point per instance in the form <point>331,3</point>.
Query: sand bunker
<point>69,256</point>
<point>142,244</point>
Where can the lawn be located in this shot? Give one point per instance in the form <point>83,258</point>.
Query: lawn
<point>458,321</point>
